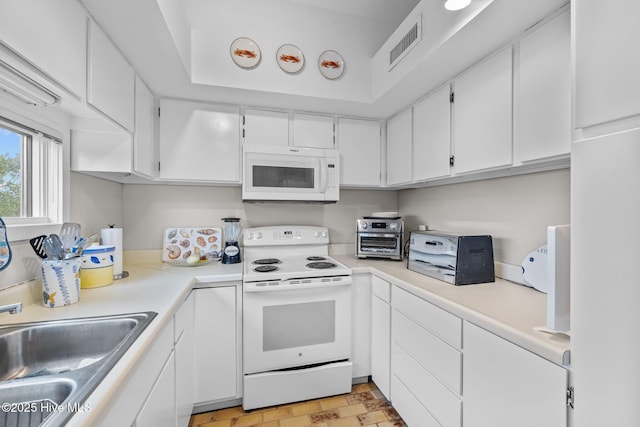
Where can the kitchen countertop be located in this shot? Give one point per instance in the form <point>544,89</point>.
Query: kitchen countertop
<point>509,310</point>
<point>151,286</point>
<point>506,309</point>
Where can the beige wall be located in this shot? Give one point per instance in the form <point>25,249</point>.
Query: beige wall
<point>149,209</point>
<point>95,203</point>
<point>514,210</point>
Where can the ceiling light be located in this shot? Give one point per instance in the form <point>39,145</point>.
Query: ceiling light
<point>456,4</point>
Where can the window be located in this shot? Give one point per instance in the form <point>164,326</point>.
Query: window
<point>30,175</point>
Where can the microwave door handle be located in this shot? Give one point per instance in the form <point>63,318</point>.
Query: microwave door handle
<point>323,175</point>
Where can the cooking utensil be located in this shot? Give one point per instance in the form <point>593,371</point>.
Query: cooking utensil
<point>81,244</point>
<point>37,243</point>
<point>53,247</point>
<point>69,234</point>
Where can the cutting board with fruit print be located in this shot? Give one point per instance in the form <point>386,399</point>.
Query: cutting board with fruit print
<point>178,244</point>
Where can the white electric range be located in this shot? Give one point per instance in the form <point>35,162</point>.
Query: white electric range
<point>296,317</point>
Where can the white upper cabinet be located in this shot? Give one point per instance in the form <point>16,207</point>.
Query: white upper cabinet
<point>199,142</point>
<point>144,152</point>
<point>310,130</point>
<point>543,108</point>
<point>110,80</point>
<point>432,136</point>
<point>52,35</point>
<point>265,127</point>
<point>607,81</point>
<point>482,123</point>
<point>359,144</point>
<point>399,148</point>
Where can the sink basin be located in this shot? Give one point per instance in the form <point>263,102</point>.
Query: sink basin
<point>60,363</point>
<point>61,346</point>
<point>29,404</point>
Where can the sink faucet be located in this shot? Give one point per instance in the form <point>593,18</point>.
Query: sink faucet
<point>11,308</point>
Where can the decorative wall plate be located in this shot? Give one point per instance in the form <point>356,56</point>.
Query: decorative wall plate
<point>290,58</point>
<point>245,52</point>
<point>331,64</point>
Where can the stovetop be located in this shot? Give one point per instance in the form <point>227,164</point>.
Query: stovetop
<point>285,268</point>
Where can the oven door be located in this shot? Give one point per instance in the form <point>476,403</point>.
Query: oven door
<point>379,244</point>
<point>296,327</point>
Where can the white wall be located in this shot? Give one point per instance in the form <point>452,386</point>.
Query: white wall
<point>95,203</point>
<point>149,209</point>
<point>514,210</point>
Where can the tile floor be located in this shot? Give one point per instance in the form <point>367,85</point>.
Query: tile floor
<point>364,406</point>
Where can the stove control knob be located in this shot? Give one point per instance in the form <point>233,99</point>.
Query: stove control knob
<point>324,234</point>
<point>250,236</point>
<point>259,235</point>
<point>316,234</point>
<point>364,225</point>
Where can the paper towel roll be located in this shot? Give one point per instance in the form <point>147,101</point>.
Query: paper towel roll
<point>113,236</point>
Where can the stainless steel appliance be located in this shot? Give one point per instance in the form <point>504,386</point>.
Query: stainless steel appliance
<point>378,237</point>
<point>454,258</point>
<point>277,173</point>
<point>296,317</point>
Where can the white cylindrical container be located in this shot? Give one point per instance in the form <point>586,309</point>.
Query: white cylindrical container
<point>60,282</point>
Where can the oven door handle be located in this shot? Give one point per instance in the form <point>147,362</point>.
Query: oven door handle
<point>384,235</point>
<point>285,286</point>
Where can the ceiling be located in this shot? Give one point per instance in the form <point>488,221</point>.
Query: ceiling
<point>180,48</point>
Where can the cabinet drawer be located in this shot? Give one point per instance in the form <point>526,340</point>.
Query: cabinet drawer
<point>381,288</point>
<point>439,322</point>
<point>439,358</point>
<point>411,411</point>
<point>443,405</point>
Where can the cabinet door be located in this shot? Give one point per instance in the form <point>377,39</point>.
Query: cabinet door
<point>265,127</point>
<point>160,406</point>
<point>432,136</point>
<point>185,358</point>
<point>607,82</point>
<point>399,148</point>
<point>101,151</point>
<point>199,142</point>
<point>544,115</point>
<point>111,80</point>
<point>312,131</point>
<point>361,336</point>
<point>359,144</point>
<point>505,385</point>
<point>215,344</point>
<point>144,152</point>
<point>50,34</point>
<point>381,344</point>
<point>482,116</point>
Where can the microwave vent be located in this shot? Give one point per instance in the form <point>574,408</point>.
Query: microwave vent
<point>408,41</point>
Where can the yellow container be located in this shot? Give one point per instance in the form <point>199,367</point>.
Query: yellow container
<point>97,266</point>
<point>96,277</point>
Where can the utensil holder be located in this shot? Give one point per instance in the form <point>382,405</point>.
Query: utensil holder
<point>60,282</point>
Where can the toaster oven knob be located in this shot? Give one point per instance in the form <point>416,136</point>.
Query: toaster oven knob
<point>364,225</point>
<point>393,225</point>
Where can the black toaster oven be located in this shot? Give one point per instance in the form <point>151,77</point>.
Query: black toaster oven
<point>454,258</point>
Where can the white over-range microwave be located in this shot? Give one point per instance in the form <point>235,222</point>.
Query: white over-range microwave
<point>282,173</point>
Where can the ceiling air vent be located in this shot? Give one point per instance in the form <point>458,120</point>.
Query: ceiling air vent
<point>409,40</point>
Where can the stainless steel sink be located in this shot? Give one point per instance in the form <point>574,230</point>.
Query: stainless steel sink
<point>57,364</point>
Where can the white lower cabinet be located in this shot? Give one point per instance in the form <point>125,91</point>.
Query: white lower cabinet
<point>426,362</point>
<point>216,344</point>
<point>134,394</point>
<point>381,334</point>
<point>184,360</point>
<point>506,385</point>
<point>160,407</point>
<point>360,338</point>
